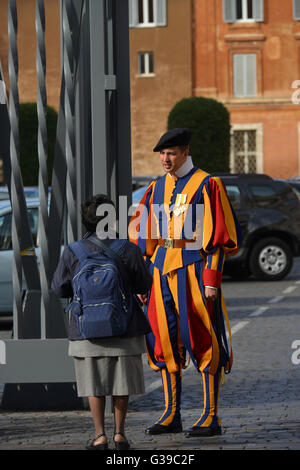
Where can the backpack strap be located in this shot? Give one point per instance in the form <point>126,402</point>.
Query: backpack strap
<point>79,251</point>
<point>112,254</point>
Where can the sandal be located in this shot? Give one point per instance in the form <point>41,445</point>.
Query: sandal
<point>93,446</point>
<point>122,445</point>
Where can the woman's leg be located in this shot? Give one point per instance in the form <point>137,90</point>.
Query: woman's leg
<point>120,403</point>
<point>97,406</point>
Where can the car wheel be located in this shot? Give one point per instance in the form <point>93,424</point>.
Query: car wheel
<point>271,259</point>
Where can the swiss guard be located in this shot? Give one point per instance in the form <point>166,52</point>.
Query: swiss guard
<point>185,228</point>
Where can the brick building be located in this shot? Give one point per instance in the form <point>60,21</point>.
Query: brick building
<point>161,72</point>
<point>244,53</point>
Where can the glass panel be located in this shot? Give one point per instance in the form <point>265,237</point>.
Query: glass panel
<point>5,232</point>
<point>141,11</point>
<point>4,195</point>
<point>141,63</point>
<point>234,195</point>
<point>263,194</point>
<point>244,151</point>
<point>239,11</point>
<point>5,228</point>
<point>150,11</point>
<point>250,9</point>
<point>151,66</point>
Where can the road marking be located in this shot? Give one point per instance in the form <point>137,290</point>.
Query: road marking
<point>2,352</point>
<point>258,312</point>
<point>276,299</point>
<point>238,327</point>
<point>290,289</point>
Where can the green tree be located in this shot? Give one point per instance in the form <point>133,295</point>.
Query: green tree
<point>209,122</point>
<point>28,128</point>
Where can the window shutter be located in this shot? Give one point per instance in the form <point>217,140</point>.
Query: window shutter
<point>258,10</point>
<point>229,11</point>
<point>160,12</point>
<point>244,75</point>
<point>250,77</point>
<point>238,74</point>
<point>133,12</point>
<point>296,9</point>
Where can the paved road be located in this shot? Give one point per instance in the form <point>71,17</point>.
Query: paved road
<point>259,403</point>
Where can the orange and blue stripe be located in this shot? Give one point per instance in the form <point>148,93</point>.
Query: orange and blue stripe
<point>211,388</point>
<point>172,392</point>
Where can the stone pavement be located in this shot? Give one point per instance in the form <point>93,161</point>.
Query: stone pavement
<point>259,403</point>
<point>254,416</point>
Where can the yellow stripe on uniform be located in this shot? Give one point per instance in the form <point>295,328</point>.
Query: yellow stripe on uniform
<point>163,325</point>
<point>211,357</point>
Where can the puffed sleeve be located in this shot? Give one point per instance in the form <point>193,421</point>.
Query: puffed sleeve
<point>142,226</point>
<point>222,235</point>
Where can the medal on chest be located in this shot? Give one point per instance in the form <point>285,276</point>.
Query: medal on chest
<point>180,206</point>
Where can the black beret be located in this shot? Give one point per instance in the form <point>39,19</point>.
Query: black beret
<point>173,138</point>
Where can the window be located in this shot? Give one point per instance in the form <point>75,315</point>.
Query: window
<point>145,13</point>
<point>264,195</point>
<point>234,195</point>
<point>244,144</point>
<point>6,224</point>
<point>296,9</point>
<point>145,63</point>
<point>246,149</point>
<point>244,75</point>
<point>243,10</point>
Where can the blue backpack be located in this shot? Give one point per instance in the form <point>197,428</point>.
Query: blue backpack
<point>99,303</point>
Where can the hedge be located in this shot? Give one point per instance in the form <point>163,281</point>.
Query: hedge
<point>209,122</point>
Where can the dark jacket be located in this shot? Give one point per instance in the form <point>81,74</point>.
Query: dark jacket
<point>137,272</point>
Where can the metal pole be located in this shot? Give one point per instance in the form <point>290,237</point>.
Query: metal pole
<point>98,96</point>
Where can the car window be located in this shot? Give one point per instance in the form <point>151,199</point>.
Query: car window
<point>234,195</point>
<point>5,228</point>
<point>263,194</point>
<point>296,187</point>
<point>3,196</point>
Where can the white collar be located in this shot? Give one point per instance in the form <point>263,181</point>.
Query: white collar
<point>185,168</point>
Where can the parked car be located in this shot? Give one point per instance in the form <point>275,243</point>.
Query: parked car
<point>268,211</point>
<point>29,191</point>
<point>6,252</point>
<point>295,185</point>
<point>141,181</point>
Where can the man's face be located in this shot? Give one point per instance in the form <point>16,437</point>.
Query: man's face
<point>172,159</point>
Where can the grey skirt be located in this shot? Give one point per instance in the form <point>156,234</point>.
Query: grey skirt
<point>99,376</point>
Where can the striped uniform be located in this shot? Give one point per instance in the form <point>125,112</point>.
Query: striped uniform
<point>180,317</point>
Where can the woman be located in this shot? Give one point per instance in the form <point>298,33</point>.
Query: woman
<point>113,365</point>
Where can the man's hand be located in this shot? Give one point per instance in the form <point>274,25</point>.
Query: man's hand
<point>142,297</point>
<point>210,294</point>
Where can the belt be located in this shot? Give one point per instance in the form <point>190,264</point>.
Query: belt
<point>173,243</point>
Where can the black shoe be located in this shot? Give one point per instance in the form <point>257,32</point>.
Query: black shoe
<point>203,431</point>
<point>93,446</point>
<point>160,429</point>
<point>122,445</point>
